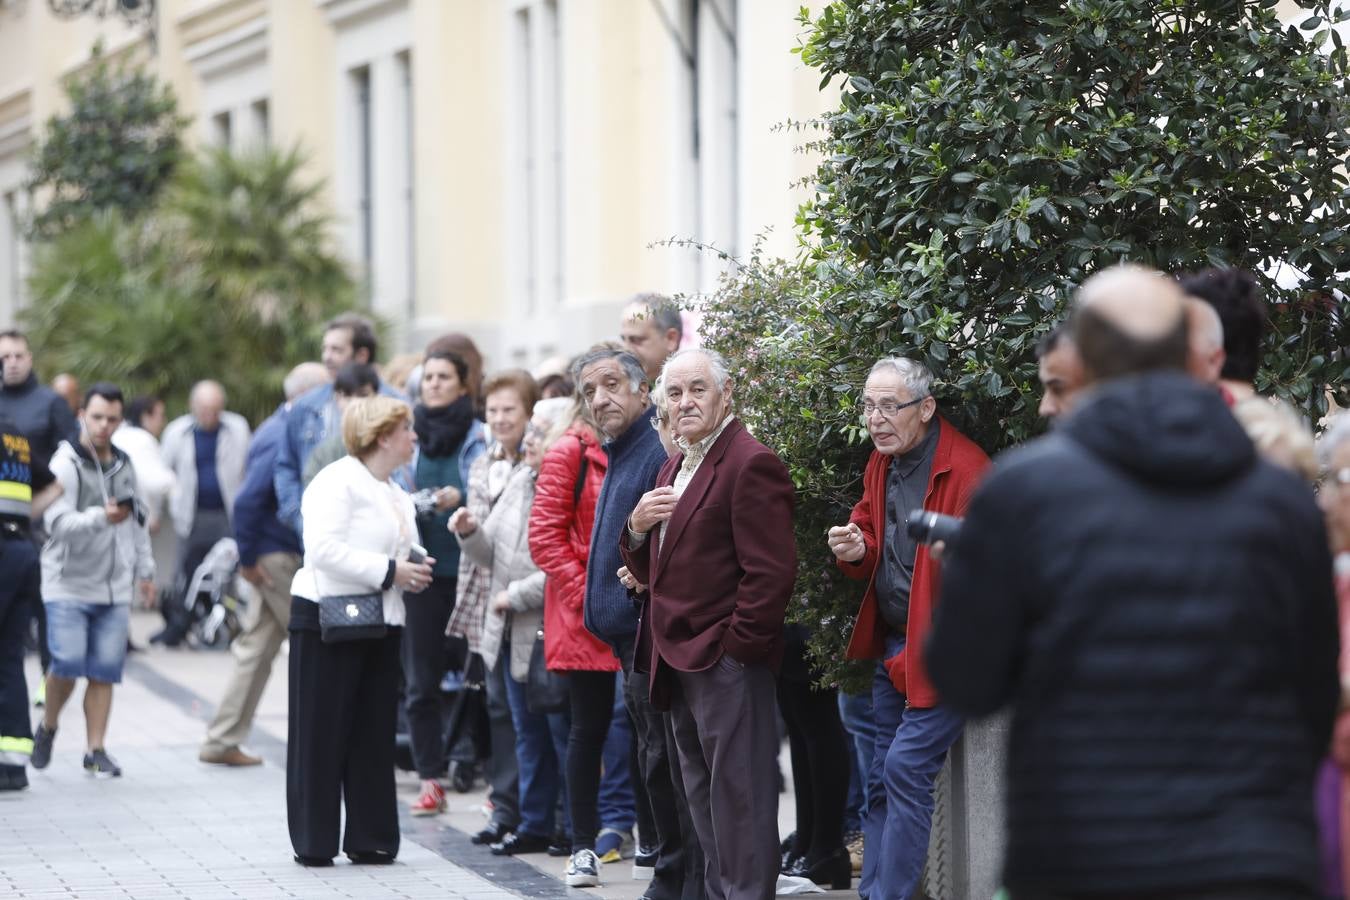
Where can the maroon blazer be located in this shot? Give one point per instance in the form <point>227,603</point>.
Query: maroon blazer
<point>724,574</point>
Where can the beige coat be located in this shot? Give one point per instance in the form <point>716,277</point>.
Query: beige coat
<point>501,545</point>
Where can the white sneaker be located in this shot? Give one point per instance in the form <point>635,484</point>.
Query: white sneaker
<point>583,869</point>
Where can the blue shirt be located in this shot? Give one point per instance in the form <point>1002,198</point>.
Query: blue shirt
<point>208,481</point>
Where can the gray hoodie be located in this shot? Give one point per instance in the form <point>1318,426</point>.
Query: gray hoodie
<point>85,558</point>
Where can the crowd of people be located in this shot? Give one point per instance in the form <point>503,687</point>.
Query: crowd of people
<point>610,553</point>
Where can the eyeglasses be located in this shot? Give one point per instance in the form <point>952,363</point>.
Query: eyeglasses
<point>658,422</point>
<point>887,408</point>
<point>533,431</point>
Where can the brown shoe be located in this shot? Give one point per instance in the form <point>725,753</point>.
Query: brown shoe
<point>230,756</point>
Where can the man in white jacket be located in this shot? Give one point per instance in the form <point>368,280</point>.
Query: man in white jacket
<point>97,555</point>
<point>207,450</point>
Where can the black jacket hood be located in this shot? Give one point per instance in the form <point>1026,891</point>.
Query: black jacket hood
<point>1164,428</point>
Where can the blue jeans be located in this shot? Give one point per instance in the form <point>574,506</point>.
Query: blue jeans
<point>541,748</point>
<point>616,801</point>
<point>911,745</point>
<point>87,640</point>
<point>855,711</point>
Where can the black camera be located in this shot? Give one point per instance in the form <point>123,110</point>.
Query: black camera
<point>424,502</point>
<point>928,527</point>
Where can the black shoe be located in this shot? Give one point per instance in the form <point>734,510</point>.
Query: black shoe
<point>495,833</point>
<point>13,778</point>
<point>836,870</point>
<point>462,777</point>
<point>371,858</point>
<point>519,843</point>
<point>560,844</point>
<point>313,862</point>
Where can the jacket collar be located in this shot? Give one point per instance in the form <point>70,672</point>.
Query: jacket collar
<point>632,435</point>
<point>23,388</point>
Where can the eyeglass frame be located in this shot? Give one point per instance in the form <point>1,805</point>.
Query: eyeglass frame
<point>1338,477</point>
<point>880,407</point>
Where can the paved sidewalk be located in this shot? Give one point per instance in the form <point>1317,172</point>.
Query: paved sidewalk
<point>175,828</point>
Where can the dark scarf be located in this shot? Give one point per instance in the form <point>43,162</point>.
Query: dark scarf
<point>441,431</point>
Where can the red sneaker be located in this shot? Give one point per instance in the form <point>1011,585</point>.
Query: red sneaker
<point>431,802</point>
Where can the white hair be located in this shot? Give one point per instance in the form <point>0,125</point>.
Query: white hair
<point>721,373</point>
<point>916,377</point>
<point>1336,434</point>
<point>550,408</point>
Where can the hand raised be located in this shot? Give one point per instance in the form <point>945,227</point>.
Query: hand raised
<point>655,507</point>
<point>846,542</point>
<point>462,522</point>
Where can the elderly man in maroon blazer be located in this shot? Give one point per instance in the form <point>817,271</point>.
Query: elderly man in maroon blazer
<point>714,543</point>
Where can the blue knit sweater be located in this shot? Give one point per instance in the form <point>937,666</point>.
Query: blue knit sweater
<point>635,458</point>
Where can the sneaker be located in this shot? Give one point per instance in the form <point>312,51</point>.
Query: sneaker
<point>42,746</point>
<point>40,695</point>
<point>644,864</point>
<point>583,869</point>
<point>99,764</point>
<point>518,844</point>
<point>431,801</point>
<point>613,845</point>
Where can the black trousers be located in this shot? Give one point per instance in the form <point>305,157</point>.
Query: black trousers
<point>426,658</point>
<point>820,766</point>
<point>591,701</point>
<point>20,579</point>
<point>340,752</point>
<point>679,858</point>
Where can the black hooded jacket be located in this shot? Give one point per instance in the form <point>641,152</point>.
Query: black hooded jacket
<point>1156,603</point>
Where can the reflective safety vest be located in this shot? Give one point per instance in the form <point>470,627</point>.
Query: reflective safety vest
<point>16,476</point>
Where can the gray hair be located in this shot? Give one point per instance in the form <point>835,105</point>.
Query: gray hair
<point>550,409</point>
<point>637,376</point>
<point>662,313</point>
<point>303,379</point>
<point>917,377</point>
<point>1336,434</point>
<point>721,372</point>
<point>659,398</point>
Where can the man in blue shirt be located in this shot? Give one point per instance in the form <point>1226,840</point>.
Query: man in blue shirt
<point>314,416</point>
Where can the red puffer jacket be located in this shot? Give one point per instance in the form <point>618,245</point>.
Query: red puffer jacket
<point>560,541</point>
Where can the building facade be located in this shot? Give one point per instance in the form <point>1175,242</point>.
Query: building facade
<point>504,167</point>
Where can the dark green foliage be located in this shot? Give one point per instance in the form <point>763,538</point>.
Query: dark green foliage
<point>984,159</point>
<point>230,277</point>
<point>115,149</point>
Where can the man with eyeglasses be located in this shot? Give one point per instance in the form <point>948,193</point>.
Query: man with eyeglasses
<point>919,461</point>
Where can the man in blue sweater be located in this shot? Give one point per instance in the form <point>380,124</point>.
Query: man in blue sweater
<point>269,555</point>
<point>614,386</point>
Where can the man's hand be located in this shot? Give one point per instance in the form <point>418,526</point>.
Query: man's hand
<point>256,576</point>
<point>448,497</point>
<point>116,513</point>
<point>462,522</point>
<point>655,507</point>
<point>630,581</point>
<point>147,589</point>
<point>846,543</point>
<point>500,603</point>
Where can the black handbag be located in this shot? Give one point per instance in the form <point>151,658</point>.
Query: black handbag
<point>352,617</point>
<point>545,691</point>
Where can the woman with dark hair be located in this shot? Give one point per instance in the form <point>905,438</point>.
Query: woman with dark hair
<point>449,440</point>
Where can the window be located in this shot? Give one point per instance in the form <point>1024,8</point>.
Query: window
<point>261,122</point>
<point>220,129</point>
<point>405,83</point>
<point>538,153</point>
<point>360,90</point>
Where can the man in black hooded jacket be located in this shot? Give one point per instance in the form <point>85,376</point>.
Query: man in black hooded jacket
<point>1156,604</point>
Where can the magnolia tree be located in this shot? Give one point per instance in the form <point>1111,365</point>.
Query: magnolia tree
<point>984,159</point>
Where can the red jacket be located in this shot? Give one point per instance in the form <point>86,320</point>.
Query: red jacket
<point>957,467</point>
<point>721,580</point>
<point>560,542</point>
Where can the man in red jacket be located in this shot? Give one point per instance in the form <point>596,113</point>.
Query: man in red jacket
<point>920,461</point>
<point>714,543</point>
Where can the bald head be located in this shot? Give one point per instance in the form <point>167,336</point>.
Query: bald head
<point>206,403</point>
<point>1204,352</point>
<point>1127,320</point>
<point>304,378</point>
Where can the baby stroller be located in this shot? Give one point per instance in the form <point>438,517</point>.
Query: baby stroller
<point>216,598</point>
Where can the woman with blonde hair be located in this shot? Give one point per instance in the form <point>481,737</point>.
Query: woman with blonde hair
<point>359,533</point>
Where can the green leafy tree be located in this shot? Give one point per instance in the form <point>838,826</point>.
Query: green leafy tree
<point>230,277</point>
<point>116,148</point>
<point>984,159</point>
